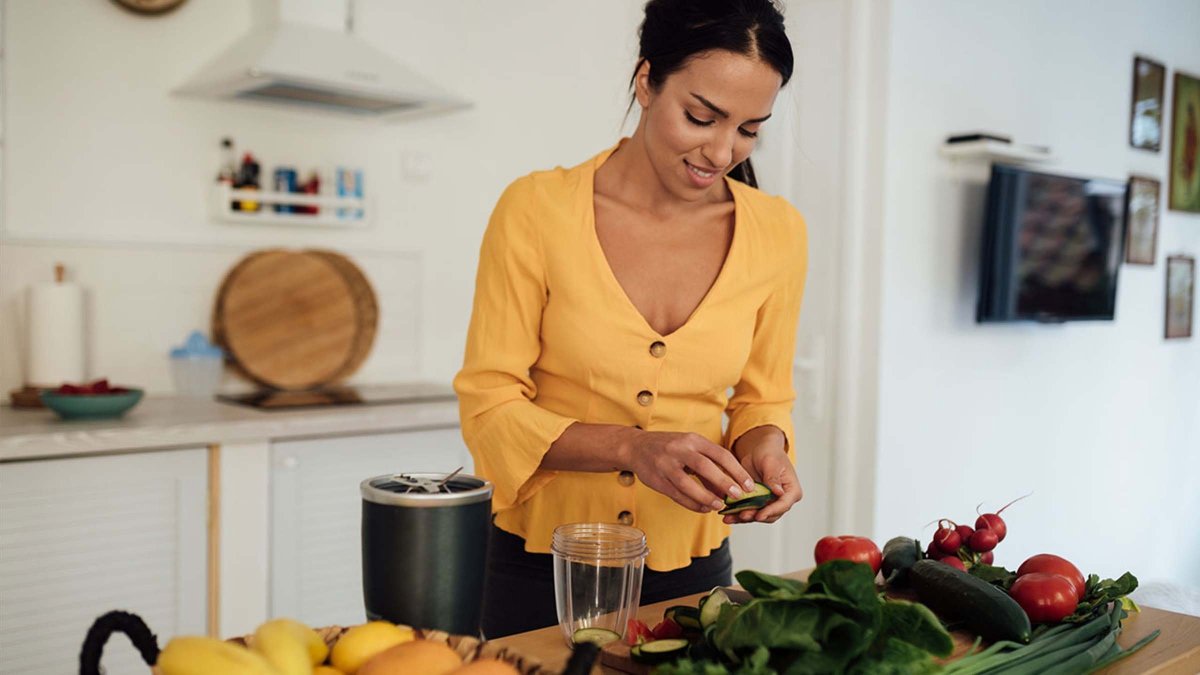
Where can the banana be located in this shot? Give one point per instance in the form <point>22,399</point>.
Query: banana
<point>283,644</point>
<point>206,656</point>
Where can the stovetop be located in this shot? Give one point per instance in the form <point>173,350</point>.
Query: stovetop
<point>416,392</point>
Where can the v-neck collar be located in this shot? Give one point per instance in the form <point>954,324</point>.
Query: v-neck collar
<point>589,194</point>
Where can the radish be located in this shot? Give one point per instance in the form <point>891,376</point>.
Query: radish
<point>954,561</point>
<point>932,551</point>
<point>983,540</point>
<point>987,558</point>
<point>993,521</point>
<point>946,538</point>
<point>964,532</point>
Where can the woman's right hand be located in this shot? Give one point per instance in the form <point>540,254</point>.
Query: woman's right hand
<point>669,462</point>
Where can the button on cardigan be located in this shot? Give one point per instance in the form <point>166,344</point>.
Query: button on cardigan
<point>554,340</point>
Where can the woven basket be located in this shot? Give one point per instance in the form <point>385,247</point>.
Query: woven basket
<point>469,648</point>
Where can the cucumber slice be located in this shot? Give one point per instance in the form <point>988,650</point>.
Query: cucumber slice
<point>660,651</point>
<point>757,498</point>
<point>710,607</point>
<point>596,636</point>
<point>688,618</point>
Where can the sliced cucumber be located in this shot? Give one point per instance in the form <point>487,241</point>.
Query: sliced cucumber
<point>710,607</point>
<point>596,636</point>
<point>757,498</point>
<point>688,618</point>
<point>660,651</point>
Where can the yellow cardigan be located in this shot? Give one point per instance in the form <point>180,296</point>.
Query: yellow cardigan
<point>554,340</point>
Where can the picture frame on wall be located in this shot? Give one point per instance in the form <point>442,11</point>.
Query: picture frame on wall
<point>1146,117</point>
<point>1181,291</point>
<point>1184,186</point>
<point>1141,220</point>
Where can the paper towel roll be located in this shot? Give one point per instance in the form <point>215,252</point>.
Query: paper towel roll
<point>55,338</point>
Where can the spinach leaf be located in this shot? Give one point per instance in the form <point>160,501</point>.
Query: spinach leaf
<point>916,625</point>
<point>997,576</point>
<point>756,664</point>
<point>770,586</point>
<point>898,658</point>
<point>835,623</point>
<point>774,624</point>
<point>850,582</point>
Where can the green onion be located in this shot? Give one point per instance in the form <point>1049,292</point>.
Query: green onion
<point>1109,659</point>
<point>1064,649</point>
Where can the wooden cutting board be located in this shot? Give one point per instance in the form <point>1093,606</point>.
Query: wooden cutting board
<point>295,319</point>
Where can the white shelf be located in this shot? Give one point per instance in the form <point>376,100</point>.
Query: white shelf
<point>996,151</point>
<point>334,211</point>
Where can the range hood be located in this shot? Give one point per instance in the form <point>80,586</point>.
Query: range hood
<point>300,64</point>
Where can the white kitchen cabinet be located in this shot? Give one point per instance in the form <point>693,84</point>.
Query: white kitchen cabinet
<point>80,537</point>
<point>316,510</point>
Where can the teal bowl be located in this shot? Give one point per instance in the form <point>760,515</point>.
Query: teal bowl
<point>90,406</point>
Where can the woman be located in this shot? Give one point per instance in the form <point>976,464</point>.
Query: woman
<point>617,303</point>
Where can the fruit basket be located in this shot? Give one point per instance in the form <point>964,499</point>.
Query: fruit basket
<point>242,655</point>
<point>468,648</point>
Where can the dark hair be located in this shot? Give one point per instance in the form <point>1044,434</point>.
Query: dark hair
<point>676,30</point>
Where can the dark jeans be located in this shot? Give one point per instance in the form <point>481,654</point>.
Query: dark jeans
<point>519,594</point>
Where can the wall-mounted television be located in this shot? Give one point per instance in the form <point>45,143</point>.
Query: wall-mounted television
<point>1052,246</point>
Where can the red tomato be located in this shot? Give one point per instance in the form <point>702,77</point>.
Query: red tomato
<point>637,632</point>
<point>666,630</point>
<point>858,549</point>
<point>1046,598</point>
<point>1052,564</point>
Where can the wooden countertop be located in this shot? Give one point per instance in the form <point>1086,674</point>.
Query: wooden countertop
<point>1176,651</point>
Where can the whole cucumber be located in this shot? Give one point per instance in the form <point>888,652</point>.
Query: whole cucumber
<point>985,609</point>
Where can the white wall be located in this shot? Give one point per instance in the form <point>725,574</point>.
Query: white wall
<point>109,173</point>
<point>1099,420</point>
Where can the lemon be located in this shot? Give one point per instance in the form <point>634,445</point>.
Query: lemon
<point>326,670</point>
<point>360,643</point>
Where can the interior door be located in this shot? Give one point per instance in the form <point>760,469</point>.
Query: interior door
<point>800,157</point>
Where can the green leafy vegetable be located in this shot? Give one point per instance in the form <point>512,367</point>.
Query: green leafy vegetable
<point>1100,593</point>
<point>770,586</point>
<point>835,623</point>
<point>898,658</point>
<point>997,576</point>
<point>911,622</point>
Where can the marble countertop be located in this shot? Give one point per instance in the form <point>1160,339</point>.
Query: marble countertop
<point>170,421</point>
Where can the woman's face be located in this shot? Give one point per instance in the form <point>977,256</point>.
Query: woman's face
<point>704,119</point>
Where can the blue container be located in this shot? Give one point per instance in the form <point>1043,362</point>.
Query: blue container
<point>349,184</point>
<point>285,181</point>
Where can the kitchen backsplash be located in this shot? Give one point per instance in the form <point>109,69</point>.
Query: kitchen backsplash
<point>141,301</point>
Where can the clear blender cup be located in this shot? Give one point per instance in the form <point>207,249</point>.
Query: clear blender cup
<point>597,575</point>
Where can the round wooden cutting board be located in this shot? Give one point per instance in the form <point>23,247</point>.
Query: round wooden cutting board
<point>295,319</point>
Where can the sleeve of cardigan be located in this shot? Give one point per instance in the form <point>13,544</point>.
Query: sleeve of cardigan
<point>506,432</point>
<point>765,394</point>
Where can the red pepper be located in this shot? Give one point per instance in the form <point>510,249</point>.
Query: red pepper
<point>858,549</point>
<point>637,632</point>
<point>666,630</point>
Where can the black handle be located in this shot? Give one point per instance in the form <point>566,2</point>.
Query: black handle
<point>582,659</point>
<point>116,622</point>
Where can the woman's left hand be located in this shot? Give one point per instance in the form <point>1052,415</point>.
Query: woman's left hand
<point>762,452</point>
